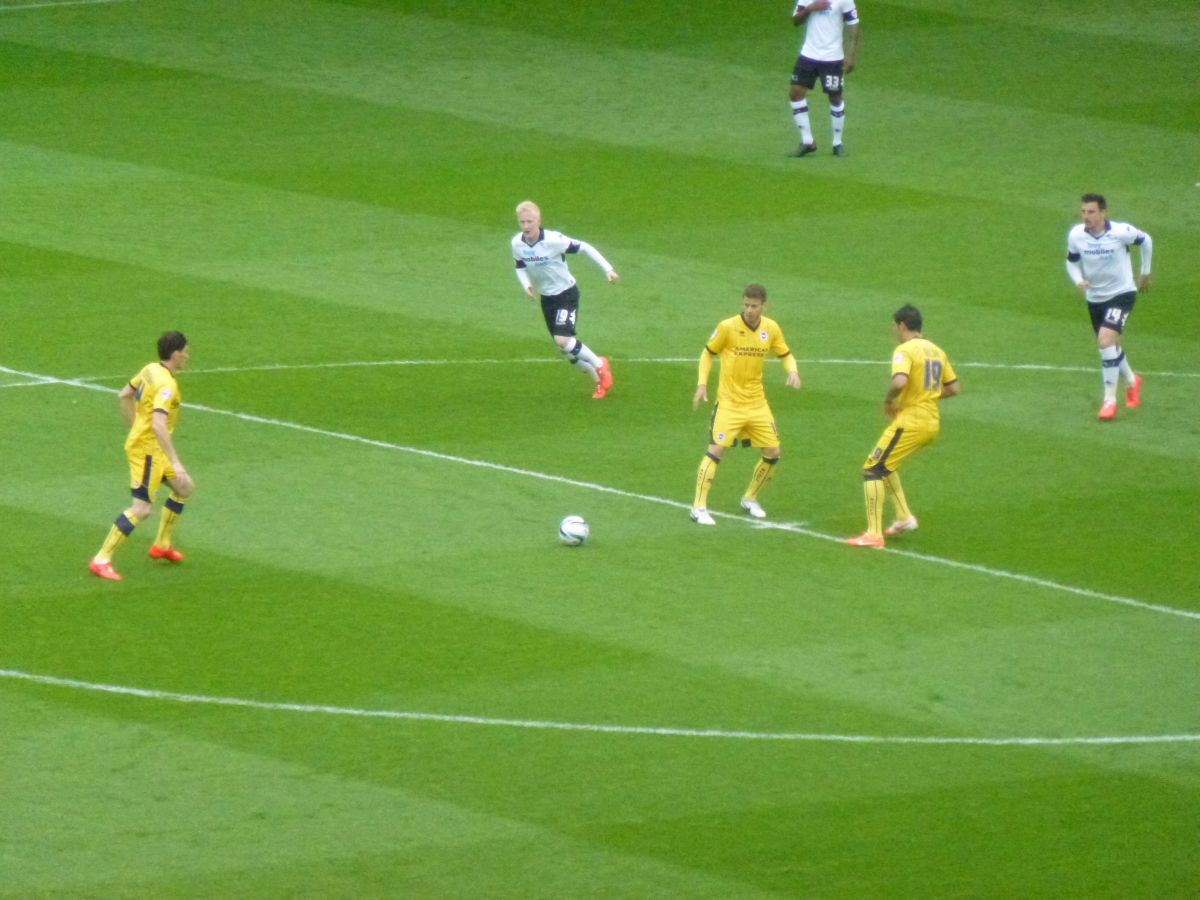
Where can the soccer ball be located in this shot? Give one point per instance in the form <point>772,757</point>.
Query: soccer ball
<point>573,531</point>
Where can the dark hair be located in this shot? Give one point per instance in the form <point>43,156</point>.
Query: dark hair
<point>755,292</point>
<point>169,343</point>
<point>1098,199</point>
<point>908,316</point>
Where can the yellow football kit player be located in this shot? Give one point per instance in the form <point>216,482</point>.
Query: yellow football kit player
<point>917,421</point>
<point>154,389</point>
<point>921,376</point>
<point>150,402</point>
<point>741,412</point>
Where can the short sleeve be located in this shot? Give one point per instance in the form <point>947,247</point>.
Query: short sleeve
<point>718,339</point>
<point>948,371</point>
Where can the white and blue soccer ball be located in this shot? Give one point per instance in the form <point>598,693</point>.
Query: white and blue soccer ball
<point>573,531</point>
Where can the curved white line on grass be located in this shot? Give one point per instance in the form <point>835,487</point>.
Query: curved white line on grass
<point>649,498</point>
<point>540,725</point>
<point>663,360</point>
<point>52,3</point>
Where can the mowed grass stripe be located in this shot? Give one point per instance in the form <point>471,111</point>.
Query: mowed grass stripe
<point>404,61</point>
<point>256,237</point>
<point>984,570</point>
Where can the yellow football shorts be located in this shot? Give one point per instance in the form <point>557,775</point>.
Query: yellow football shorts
<point>731,423</point>
<point>896,443</point>
<point>146,472</point>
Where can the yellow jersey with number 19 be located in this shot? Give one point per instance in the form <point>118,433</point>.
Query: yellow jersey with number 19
<point>155,388</point>
<point>927,368</point>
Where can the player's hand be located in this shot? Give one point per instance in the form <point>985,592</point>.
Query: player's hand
<point>849,65</point>
<point>612,275</point>
<point>793,380</point>
<point>529,292</point>
<point>1083,286</point>
<point>1144,282</point>
<point>890,409</point>
<point>701,394</point>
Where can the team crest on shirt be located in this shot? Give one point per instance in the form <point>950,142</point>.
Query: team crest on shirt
<point>165,393</point>
<point>898,358</point>
<point>762,335</point>
<point>720,435</point>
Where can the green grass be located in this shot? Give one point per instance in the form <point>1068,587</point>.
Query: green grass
<point>308,184</point>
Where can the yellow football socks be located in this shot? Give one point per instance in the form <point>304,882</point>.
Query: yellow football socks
<point>171,511</point>
<point>121,529</point>
<point>875,492</point>
<point>897,492</point>
<point>762,474</point>
<point>704,479</point>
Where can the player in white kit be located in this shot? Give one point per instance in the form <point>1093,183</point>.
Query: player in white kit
<point>1098,263</point>
<point>823,57</point>
<point>540,257</point>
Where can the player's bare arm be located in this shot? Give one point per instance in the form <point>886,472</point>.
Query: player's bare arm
<point>853,43</point>
<point>895,389</point>
<point>125,397</point>
<point>950,389</point>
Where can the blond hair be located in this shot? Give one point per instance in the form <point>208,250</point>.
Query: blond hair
<point>528,206</point>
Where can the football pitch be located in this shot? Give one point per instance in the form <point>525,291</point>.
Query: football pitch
<point>378,673</point>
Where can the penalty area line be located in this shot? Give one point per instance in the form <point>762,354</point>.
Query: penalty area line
<point>794,528</point>
<point>594,728</point>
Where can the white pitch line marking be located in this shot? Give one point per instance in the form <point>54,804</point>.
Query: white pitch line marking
<point>52,3</point>
<point>794,736</point>
<point>649,498</point>
<point>665,360</point>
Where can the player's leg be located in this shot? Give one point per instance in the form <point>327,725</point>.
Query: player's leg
<point>141,474</point>
<point>875,470</point>
<point>763,434</point>
<point>906,442</point>
<point>163,546</point>
<point>905,520</point>
<point>722,433</point>
<point>1132,379</point>
<point>804,76</point>
<point>1108,320</point>
<point>1110,369</point>
<point>832,81</point>
<point>560,313</point>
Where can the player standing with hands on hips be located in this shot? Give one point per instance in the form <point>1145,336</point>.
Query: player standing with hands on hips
<point>741,411</point>
<point>1098,264</point>
<point>822,57</point>
<point>541,261</point>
